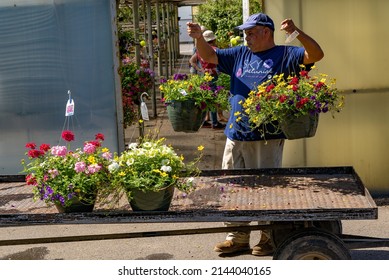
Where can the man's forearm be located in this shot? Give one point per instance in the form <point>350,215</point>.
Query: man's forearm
<point>205,50</point>
<point>313,50</point>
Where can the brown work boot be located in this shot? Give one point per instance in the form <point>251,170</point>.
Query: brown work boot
<point>263,248</point>
<point>229,247</point>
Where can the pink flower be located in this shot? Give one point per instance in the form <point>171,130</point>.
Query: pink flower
<point>79,166</point>
<point>107,155</point>
<point>89,148</point>
<point>93,168</point>
<point>59,151</point>
<point>53,172</point>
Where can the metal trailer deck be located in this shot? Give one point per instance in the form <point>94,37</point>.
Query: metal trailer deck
<point>302,206</point>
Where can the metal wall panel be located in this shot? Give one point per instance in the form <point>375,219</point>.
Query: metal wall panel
<point>47,48</point>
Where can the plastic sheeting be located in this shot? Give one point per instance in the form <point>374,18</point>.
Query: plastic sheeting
<point>47,48</point>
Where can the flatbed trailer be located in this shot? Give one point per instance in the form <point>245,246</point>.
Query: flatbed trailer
<point>303,208</point>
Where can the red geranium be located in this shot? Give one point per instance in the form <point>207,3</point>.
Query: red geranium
<point>44,147</point>
<point>31,145</point>
<point>35,153</point>
<point>67,135</point>
<point>99,136</point>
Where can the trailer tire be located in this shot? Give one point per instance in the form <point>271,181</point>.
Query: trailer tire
<point>312,244</point>
<point>279,235</point>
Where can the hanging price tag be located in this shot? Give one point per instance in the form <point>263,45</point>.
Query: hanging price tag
<point>291,37</point>
<point>144,111</point>
<point>69,106</point>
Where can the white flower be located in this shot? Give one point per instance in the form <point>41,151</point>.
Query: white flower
<point>183,92</point>
<point>113,166</point>
<point>166,168</point>
<point>130,161</point>
<point>147,144</point>
<point>190,180</point>
<point>132,146</point>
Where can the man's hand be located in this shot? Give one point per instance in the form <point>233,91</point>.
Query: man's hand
<point>194,30</point>
<point>288,26</point>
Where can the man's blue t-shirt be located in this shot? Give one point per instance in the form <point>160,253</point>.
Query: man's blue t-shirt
<point>248,70</point>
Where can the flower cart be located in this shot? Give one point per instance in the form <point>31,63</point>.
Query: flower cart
<point>304,207</point>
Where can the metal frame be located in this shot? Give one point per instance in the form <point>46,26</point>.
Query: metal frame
<point>291,219</point>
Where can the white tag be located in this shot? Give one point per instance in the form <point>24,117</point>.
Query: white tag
<point>291,37</point>
<point>69,108</point>
<point>144,111</point>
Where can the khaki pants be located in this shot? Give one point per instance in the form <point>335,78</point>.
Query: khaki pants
<point>251,154</point>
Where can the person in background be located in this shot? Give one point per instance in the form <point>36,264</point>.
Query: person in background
<point>201,67</point>
<point>248,67</point>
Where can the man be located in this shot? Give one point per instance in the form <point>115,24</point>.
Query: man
<point>248,67</point>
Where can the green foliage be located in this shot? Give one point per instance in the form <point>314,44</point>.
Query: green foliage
<point>222,16</point>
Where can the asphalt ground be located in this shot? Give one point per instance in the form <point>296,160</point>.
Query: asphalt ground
<point>182,247</point>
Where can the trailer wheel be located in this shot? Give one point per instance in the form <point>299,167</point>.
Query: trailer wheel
<point>312,244</point>
<point>279,235</point>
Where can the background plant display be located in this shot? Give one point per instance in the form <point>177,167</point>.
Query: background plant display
<point>134,80</point>
<point>298,95</point>
<point>58,174</point>
<point>194,87</point>
<point>223,16</point>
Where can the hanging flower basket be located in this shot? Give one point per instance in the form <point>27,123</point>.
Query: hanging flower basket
<point>185,116</point>
<point>292,104</point>
<point>188,98</point>
<point>300,127</point>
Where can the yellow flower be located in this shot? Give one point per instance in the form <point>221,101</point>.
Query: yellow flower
<point>105,150</point>
<point>237,114</point>
<point>208,77</point>
<point>200,148</point>
<point>91,159</point>
<point>122,173</point>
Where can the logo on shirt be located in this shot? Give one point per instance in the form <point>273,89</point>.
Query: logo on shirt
<point>255,69</point>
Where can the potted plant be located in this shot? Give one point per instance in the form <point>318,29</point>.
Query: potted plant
<point>69,179</point>
<point>148,172</point>
<point>188,98</point>
<point>292,104</point>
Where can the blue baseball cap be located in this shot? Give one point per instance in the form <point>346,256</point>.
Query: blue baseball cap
<point>255,20</point>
